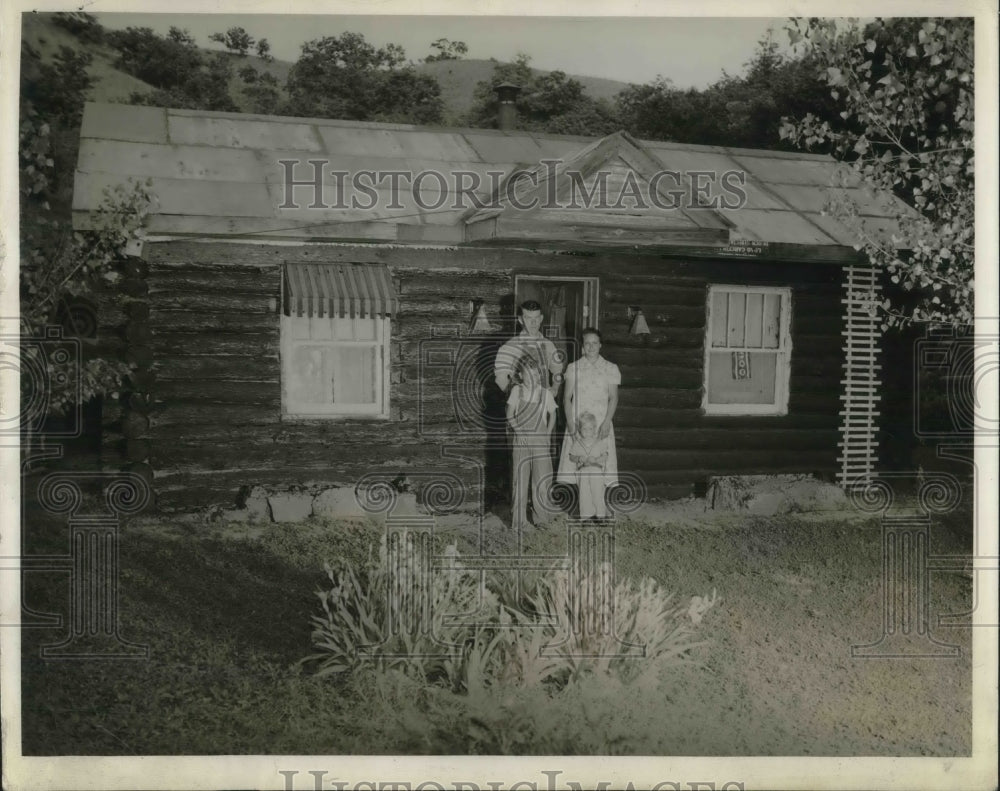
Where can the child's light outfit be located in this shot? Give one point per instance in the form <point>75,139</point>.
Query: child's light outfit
<point>593,382</point>
<point>590,474</point>
<point>533,411</point>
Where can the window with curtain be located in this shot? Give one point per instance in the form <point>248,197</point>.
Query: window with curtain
<point>747,350</point>
<point>334,366</point>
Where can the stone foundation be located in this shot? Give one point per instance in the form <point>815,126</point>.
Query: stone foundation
<point>767,495</point>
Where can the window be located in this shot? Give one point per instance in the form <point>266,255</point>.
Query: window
<point>335,333</point>
<point>334,366</point>
<point>747,351</point>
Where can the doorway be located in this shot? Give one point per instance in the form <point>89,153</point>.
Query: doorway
<point>569,305</point>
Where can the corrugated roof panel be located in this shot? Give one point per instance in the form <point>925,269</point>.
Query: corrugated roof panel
<point>181,162</point>
<point>124,122</point>
<point>351,142</point>
<point>481,178</point>
<point>560,149</point>
<point>237,133</point>
<point>440,146</point>
<point>835,228</point>
<point>809,198</point>
<point>731,190</point>
<point>881,227</point>
<point>685,159</point>
<point>183,196</point>
<point>354,206</point>
<point>717,166</point>
<point>777,227</point>
<point>793,171</point>
<point>815,199</point>
<point>499,147</point>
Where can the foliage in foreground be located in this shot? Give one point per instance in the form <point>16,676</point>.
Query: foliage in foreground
<point>507,675</point>
<point>64,273</point>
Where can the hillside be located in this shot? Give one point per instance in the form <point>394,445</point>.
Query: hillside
<point>457,78</point>
<point>110,84</point>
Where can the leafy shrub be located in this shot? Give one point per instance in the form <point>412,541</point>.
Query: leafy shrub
<point>82,25</point>
<point>538,672</point>
<point>347,77</point>
<point>364,614</point>
<point>163,62</point>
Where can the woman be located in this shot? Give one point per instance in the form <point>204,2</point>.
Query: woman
<point>591,385</point>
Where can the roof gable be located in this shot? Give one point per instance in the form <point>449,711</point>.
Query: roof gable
<point>610,191</point>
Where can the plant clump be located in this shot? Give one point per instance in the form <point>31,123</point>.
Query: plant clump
<point>453,660</point>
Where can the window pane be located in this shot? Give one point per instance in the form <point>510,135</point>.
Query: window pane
<point>323,375</point>
<point>297,326</point>
<point>772,323</point>
<point>720,317</point>
<point>310,375</point>
<point>364,329</point>
<point>742,378</point>
<point>755,321</point>
<point>343,329</point>
<point>737,315</point>
<point>354,378</point>
<point>319,328</point>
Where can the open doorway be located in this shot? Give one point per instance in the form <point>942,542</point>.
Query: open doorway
<point>569,305</point>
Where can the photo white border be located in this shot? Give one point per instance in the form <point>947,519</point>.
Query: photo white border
<point>240,772</point>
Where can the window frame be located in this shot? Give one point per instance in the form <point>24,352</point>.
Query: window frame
<point>783,352</point>
<point>381,343</point>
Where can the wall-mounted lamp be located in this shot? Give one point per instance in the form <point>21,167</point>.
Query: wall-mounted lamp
<point>478,321</point>
<point>639,325</point>
<point>135,247</point>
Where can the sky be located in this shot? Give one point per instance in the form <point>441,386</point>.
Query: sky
<point>690,51</point>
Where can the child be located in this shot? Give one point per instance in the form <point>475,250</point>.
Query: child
<point>590,455</point>
<point>531,411</point>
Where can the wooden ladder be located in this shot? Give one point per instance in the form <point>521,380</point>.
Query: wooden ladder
<point>860,387</point>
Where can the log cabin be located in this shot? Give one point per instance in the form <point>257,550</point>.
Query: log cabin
<point>299,317</point>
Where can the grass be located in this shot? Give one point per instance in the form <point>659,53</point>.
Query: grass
<point>226,616</point>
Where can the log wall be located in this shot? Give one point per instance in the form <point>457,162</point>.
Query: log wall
<point>215,408</point>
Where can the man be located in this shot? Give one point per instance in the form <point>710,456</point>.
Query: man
<point>532,460</point>
<point>532,341</point>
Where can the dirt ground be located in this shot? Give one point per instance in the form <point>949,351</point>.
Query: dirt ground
<point>226,614</point>
<point>781,679</point>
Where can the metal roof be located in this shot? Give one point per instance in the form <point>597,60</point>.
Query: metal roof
<point>217,173</point>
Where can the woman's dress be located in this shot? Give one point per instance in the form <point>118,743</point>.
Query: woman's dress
<point>593,384</point>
